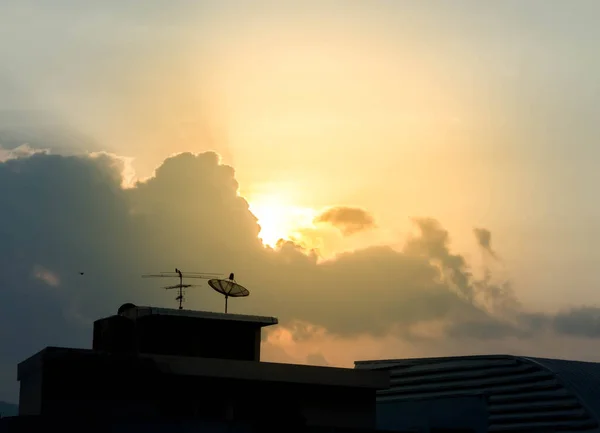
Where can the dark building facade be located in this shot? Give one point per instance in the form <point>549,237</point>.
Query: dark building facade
<point>152,364</point>
<point>163,370</point>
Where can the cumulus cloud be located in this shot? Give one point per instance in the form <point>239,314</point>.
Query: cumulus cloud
<point>66,214</point>
<point>349,220</point>
<point>21,151</point>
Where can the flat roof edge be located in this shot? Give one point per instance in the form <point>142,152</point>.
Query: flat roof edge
<point>404,361</point>
<point>33,362</point>
<point>231,369</point>
<point>142,311</point>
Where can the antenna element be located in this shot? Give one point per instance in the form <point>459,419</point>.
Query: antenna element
<point>179,274</point>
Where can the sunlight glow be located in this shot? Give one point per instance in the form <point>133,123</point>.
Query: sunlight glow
<point>279,219</point>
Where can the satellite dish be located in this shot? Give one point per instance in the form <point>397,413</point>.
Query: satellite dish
<point>228,288</point>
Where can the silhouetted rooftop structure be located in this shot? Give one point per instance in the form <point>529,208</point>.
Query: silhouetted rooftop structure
<point>181,332</point>
<point>165,364</point>
<point>490,393</point>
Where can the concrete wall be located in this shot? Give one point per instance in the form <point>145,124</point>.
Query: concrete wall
<point>461,413</point>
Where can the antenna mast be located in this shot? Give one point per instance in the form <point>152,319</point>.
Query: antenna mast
<point>179,274</point>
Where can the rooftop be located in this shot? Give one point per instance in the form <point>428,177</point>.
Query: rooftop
<point>139,311</point>
<point>406,362</point>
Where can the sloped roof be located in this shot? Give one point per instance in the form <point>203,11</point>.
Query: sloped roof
<point>523,393</point>
<point>581,378</point>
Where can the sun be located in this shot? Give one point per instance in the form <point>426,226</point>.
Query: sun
<point>278,219</point>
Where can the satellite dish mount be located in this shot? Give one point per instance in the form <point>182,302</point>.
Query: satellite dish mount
<point>228,288</point>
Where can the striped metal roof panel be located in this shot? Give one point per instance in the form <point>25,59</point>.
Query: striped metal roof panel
<point>523,394</point>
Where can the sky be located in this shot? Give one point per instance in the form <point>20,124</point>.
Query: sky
<point>389,179</point>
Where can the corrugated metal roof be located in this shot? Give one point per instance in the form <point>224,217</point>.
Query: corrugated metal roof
<point>581,378</point>
<point>523,393</point>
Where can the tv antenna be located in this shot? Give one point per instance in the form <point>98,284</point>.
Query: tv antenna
<point>228,288</point>
<point>179,274</point>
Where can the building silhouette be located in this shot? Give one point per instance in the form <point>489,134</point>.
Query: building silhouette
<point>158,369</point>
<point>490,393</point>
<point>166,370</point>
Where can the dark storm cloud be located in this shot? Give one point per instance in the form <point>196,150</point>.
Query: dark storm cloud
<point>349,220</point>
<point>63,215</point>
